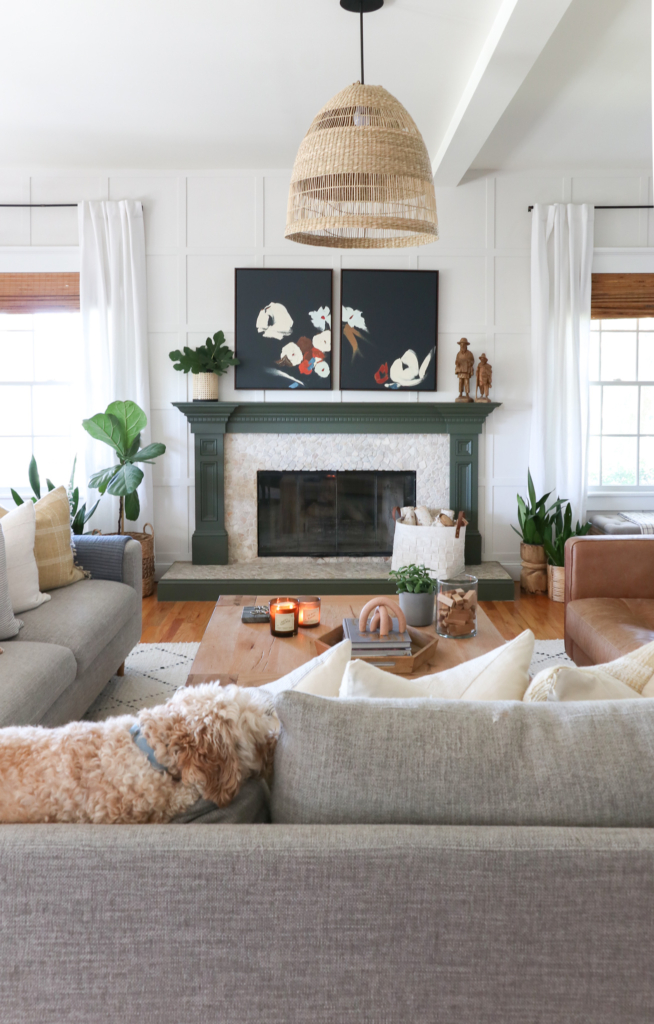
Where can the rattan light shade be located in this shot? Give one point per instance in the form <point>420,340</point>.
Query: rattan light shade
<point>362,177</point>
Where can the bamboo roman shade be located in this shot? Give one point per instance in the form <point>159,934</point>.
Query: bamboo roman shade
<point>622,296</point>
<point>38,293</point>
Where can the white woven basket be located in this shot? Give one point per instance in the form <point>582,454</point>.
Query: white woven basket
<point>437,547</point>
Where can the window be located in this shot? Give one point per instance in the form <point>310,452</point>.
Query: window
<point>40,331</point>
<point>621,450</point>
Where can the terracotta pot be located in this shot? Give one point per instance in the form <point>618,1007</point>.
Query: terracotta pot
<point>533,577</point>
<point>556,583</point>
<point>418,608</point>
<point>205,387</point>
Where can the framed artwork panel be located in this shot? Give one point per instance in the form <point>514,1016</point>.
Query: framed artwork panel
<point>389,330</point>
<point>283,334</point>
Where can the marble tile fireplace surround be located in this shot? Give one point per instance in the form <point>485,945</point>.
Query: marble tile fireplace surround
<point>437,441</point>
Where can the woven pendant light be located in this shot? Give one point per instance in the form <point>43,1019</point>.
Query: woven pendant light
<point>362,176</point>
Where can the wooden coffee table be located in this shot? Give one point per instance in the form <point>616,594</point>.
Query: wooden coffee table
<point>233,652</point>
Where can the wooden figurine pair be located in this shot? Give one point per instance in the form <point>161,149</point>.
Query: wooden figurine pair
<point>464,369</point>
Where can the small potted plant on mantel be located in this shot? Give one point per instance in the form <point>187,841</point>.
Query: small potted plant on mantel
<point>206,362</point>
<point>555,551</point>
<point>415,586</point>
<point>535,522</point>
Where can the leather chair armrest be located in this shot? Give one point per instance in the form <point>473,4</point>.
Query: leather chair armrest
<point>609,567</point>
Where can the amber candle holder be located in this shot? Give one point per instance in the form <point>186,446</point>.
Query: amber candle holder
<point>284,614</point>
<point>309,615</point>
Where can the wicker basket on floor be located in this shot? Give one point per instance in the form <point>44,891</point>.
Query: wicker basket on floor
<point>146,540</point>
<point>556,582</point>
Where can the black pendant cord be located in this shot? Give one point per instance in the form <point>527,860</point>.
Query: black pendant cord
<point>361,36</point>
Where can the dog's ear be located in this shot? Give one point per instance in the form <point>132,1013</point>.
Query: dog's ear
<point>207,758</point>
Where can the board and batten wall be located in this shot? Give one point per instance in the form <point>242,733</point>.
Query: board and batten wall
<point>200,225</point>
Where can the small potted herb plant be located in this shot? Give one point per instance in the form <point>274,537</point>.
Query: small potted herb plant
<point>206,362</point>
<point>415,586</point>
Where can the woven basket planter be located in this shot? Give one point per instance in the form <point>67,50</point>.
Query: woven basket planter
<point>556,583</point>
<point>533,576</point>
<point>146,540</point>
<point>205,387</point>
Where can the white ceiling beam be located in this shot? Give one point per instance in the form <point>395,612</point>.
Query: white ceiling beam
<point>519,34</point>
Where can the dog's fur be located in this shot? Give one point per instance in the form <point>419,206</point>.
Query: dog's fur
<point>210,738</point>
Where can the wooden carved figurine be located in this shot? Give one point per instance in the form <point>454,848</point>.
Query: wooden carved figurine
<point>464,368</point>
<point>484,378</point>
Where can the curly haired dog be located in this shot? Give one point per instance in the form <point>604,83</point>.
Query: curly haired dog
<point>204,742</point>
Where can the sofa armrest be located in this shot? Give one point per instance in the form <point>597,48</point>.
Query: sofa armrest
<point>111,557</point>
<point>609,567</point>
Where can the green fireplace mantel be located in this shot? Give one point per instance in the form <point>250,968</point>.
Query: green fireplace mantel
<point>210,421</point>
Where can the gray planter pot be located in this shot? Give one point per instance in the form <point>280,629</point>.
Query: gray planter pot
<point>418,608</point>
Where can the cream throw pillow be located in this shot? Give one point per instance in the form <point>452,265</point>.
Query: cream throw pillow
<point>19,529</point>
<point>52,549</point>
<point>321,676</point>
<point>502,674</point>
<point>629,676</point>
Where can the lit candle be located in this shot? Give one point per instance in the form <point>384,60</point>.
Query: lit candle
<point>309,612</point>
<point>284,616</point>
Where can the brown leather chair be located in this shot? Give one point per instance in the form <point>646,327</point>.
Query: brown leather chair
<point>609,597</point>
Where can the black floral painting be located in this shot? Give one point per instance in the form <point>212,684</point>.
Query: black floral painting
<point>389,330</point>
<point>283,329</point>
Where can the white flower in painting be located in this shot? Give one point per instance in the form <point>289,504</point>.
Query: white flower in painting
<point>275,321</point>
<point>321,368</point>
<point>405,372</point>
<point>323,342</point>
<point>293,353</point>
<point>321,317</point>
<point>354,318</point>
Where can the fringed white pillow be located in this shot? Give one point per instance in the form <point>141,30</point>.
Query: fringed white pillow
<point>625,678</point>
<point>321,676</point>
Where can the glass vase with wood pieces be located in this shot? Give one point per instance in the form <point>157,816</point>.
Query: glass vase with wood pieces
<point>415,587</point>
<point>119,427</point>
<point>456,605</point>
<point>284,615</point>
<point>555,551</point>
<point>535,524</point>
<point>206,362</point>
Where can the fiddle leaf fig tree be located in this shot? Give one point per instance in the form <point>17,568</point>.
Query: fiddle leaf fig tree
<point>120,426</point>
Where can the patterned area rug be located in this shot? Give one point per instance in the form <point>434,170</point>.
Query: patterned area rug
<point>154,671</point>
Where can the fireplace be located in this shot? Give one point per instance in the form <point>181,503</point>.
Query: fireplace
<point>323,514</point>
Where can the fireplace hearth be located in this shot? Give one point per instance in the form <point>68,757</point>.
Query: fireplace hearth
<point>323,514</point>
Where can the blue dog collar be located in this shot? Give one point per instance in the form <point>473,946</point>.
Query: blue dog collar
<point>142,744</point>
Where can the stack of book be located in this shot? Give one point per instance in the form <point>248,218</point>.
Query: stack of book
<point>396,644</point>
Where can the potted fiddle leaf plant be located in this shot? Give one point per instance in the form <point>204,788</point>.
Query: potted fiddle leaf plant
<point>535,521</point>
<point>119,427</point>
<point>555,551</point>
<point>206,362</point>
<point>415,587</point>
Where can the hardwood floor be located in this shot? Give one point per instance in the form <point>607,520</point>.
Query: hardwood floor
<point>186,621</point>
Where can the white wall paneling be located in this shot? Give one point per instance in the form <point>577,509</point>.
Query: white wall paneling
<point>200,226</point>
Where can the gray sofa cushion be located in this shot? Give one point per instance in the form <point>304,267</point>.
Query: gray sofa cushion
<point>475,763</point>
<point>250,806</point>
<point>83,617</point>
<point>9,625</point>
<point>32,676</point>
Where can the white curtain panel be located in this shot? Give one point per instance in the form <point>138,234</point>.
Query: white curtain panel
<point>114,364</point>
<point>561,267</point>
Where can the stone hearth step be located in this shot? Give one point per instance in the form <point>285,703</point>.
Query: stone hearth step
<point>324,576</point>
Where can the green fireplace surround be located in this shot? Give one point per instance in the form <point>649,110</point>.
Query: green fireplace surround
<point>210,421</point>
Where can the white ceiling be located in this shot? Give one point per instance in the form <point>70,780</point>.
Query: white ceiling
<point>236,83</point>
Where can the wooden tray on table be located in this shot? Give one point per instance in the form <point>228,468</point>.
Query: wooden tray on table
<point>423,649</point>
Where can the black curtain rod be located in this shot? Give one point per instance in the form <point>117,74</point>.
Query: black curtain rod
<point>31,205</point>
<point>530,208</point>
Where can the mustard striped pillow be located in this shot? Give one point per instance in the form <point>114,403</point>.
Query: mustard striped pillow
<point>52,549</point>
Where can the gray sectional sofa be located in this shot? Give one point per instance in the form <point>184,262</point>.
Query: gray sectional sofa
<point>514,901</point>
<point>69,647</point>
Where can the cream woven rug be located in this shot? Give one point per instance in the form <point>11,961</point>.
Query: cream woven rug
<point>154,671</point>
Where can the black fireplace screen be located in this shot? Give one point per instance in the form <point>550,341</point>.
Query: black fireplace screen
<point>321,514</point>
